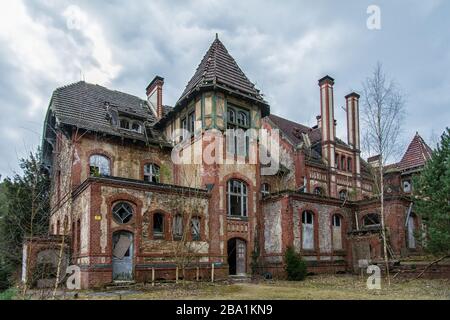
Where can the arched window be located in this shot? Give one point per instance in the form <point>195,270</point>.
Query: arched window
<point>151,173</point>
<point>195,229</point>
<point>308,230</point>
<point>178,227</point>
<point>99,165</point>
<point>265,189</point>
<point>237,198</point>
<point>318,191</point>
<point>371,220</point>
<point>242,119</point>
<point>337,232</point>
<point>122,212</point>
<point>231,116</point>
<point>158,226</point>
<point>343,195</point>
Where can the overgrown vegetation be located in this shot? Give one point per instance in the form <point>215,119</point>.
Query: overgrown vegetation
<point>24,212</point>
<point>432,198</point>
<point>295,265</point>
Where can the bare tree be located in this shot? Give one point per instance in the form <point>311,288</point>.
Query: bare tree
<point>383,112</point>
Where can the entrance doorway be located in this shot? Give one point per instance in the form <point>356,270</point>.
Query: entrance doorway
<point>122,259</point>
<point>237,256</point>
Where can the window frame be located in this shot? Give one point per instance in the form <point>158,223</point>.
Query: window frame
<point>154,174</point>
<point>235,124</point>
<point>97,165</point>
<point>265,189</point>
<point>128,218</point>
<point>159,235</point>
<point>243,198</point>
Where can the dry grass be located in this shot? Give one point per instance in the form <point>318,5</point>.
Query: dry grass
<point>317,287</point>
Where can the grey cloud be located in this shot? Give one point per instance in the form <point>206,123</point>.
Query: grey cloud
<point>283,47</point>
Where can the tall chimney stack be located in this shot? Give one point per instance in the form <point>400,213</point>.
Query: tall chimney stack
<point>327,117</point>
<point>352,102</point>
<point>155,95</point>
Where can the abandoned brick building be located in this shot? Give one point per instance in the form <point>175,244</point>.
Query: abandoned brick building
<point>122,201</point>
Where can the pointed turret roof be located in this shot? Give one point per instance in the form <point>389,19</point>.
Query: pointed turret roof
<point>219,69</point>
<point>417,154</point>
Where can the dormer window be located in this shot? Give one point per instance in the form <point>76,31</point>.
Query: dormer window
<point>125,124</point>
<point>136,127</point>
<point>132,125</point>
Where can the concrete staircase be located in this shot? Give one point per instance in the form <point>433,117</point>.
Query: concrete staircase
<point>242,278</point>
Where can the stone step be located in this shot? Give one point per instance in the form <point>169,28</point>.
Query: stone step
<point>120,285</point>
<point>239,278</point>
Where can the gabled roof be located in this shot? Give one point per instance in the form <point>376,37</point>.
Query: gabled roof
<point>219,68</point>
<point>417,154</point>
<point>84,106</point>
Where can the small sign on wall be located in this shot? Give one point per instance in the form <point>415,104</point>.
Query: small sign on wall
<point>98,218</point>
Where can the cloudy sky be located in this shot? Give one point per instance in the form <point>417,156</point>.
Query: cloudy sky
<point>282,46</point>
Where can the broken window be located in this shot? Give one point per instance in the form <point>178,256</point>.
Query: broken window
<point>337,232</point>
<point>125,124</point>
<point>237,198</point>
<point>99,165</point>
<point>136,127</point>
<point>122,212</point>
<point>265,189</point>
<point>308,230</point>
<point>371,219</point>
<point>318,191</point>
<point>195,229</point>
<point>178,227</point>
<point>343,195</point>
<point>151,173</point>
<point>406,185</point>
<point>158,226</point>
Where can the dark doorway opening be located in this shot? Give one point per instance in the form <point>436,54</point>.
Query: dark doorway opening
<point>237,254</point>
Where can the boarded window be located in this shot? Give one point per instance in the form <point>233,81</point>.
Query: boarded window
<point>337,232</point>
<point>195,229</point>
<point>178,227</point>
<point>307,230</point>
<point>411,231</point>
<point>158,226</point>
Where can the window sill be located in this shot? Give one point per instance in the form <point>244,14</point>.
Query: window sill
<point>237,218</point>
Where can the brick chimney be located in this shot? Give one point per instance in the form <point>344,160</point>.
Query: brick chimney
<point>327,119</point>
<point>352,103</point>
<point>155,95</point>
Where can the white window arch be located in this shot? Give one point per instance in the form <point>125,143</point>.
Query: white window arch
<point>308,230</point>
<point>99,165</point>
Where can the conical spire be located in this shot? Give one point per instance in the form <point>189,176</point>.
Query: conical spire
<point>218,68</point>
<point>417,154</point>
